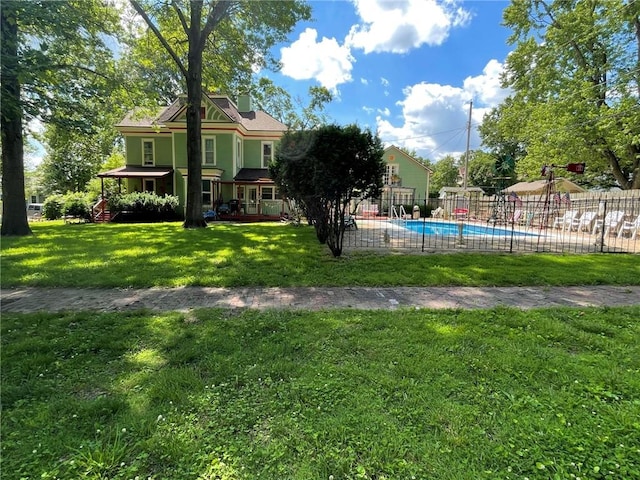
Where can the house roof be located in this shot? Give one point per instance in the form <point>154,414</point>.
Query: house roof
<point>137,172</point>
<point>402,152</point>
<point>252,121</point>
<point>253,175</point>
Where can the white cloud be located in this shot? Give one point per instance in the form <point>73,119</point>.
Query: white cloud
<point>486,87</point>
<point>325,61</point>
<point>385,112</point>
<point>399,26</point>
<point>364,81</point>
<point>384,82</point>
<point>435,117</point>
<point>368,110</point>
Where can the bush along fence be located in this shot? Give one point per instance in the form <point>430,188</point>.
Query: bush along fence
<point>552,223</point>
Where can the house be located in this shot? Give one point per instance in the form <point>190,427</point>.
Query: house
<point>238,143</point>
<point>405,181</point>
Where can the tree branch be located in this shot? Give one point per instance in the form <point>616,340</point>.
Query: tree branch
<point>161,39</point>
<point>183,19</point>
<point>217,13</point>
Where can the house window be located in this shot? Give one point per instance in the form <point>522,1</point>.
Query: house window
<point>149,185</point>
<point>209,150</point>
<point>207,194</point>
<point>267,154</point>
<point>148,152</point>
<point>389,174</point>
<point>268,193</point>
<point>203,112</point>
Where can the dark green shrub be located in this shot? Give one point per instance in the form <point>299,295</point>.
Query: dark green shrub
<point>52,207</point>
<point>77,205</point>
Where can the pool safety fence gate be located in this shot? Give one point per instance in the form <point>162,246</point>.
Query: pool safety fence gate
<point>558,224</point>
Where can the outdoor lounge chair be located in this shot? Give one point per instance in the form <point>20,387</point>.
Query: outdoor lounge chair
<point>566,220</point>
<point>584,222</point>
<point>350,222</point>
<point>610,223</point>
<point>630,227</point>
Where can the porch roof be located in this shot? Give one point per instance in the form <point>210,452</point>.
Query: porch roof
<point>130,171</point>
<point>253,175</point>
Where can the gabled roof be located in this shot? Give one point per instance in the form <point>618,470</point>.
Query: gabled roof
<point>405,154</point>
<point>227,113</point>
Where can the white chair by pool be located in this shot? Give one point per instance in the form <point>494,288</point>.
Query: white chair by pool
<point>631,227</point>
<point>566,220</point>
<point>584,222</point>
<point>610,223</point>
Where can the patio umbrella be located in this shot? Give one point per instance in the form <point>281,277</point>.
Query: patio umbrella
<point>533,188</point>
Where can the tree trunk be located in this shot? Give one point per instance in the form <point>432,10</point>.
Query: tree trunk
<point>193,214</point>
<point>14,209</point>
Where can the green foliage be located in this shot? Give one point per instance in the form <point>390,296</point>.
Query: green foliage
<point>574,75</point>
<point>292,112</point>
<point>442,395</point>
<point>269,254</point>
<point>325,169</point>
<point>77,204</point>
<point>445,174</point>
<point>53,207</point>
<point>146,206</point>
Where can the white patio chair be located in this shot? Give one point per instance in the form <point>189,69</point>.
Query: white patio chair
<point>631,227</point>
<point>584,222</point>
<point>566,220</point>
<point>610,223</point>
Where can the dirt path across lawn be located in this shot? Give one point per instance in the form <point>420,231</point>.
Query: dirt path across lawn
<point>31,299</point>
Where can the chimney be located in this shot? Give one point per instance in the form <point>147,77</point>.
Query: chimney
<point>244,103</point>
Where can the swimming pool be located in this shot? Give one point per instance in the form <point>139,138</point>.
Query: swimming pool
<point>468,229</point>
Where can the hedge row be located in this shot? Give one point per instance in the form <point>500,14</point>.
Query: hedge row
<point>145,206</point>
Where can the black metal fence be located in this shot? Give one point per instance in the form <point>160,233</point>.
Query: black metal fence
<point>560,224</point>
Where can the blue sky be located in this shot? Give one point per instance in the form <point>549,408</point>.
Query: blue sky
<point>406,69</point>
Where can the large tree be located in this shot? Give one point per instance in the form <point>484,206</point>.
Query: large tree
<point>575,77</point>
<point>326,169</point>
<point>445,173</point>
<point>237,34</point>
<point>53,58</point>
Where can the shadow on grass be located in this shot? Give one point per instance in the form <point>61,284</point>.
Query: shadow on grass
<point>222,394</point>
<point>270,254</point>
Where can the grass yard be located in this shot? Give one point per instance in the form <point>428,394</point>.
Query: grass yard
<point>214,394</point>
<point>272,254</point>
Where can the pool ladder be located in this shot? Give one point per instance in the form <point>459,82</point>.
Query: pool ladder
<point>399,214</point>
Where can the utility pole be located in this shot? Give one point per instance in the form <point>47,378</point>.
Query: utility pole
<point>466,156</point>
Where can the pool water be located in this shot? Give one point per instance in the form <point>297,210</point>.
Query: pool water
<point>451,228</point>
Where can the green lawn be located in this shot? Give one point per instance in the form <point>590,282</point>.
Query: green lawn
<point>346,394</point>
<point>227,255</point>
<point>216,394</point>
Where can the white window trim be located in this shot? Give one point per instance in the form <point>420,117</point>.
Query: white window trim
<point>153,151</point>
<point>391,170</point>
<point>204,142</point>
<point>262,153</point>
<point>239,164</point>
